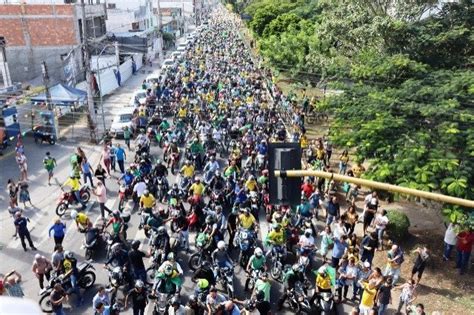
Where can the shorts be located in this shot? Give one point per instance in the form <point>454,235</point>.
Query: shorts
<point>418,269</point>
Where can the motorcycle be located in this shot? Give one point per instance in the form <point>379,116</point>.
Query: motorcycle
<point>225,277</point>
<point>276,269</point>
<point>173,163</point>
<point>85,280</point>
<point>156,260</point>
<point>326,304</point>
<point>161,189</point>
<point>92,240</point>
<point>67,198</point>
<point>184,184</point>
<point>246,241</point>
<point>203,251</point>
<point>298,301</point>
<point>161,302</point>
<point>41,134</point>
<point>252,279</point>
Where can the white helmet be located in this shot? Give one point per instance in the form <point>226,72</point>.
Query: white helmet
<point>258,252</point>
<point>308,231</point>
<point>74,214</point>
<point>221,245</point>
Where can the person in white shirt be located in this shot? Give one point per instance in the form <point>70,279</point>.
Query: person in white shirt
<point>449,241</point>
<point>381,221</point>
<point>139,189</point>
<point>176,307</point>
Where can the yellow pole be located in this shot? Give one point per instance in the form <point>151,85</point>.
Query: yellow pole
<point>379,185</point>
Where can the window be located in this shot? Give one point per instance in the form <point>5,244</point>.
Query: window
<point>135,26</point>
<point>111,6</point>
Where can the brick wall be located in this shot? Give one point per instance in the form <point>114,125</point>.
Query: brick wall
<point>44,25</point>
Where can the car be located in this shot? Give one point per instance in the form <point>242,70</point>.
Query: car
<point>168,63</point>
<point>138,97</point>
<point>191,36</point>
<point>176,55</point>
<point>153,78</point>
<point>122,119</point>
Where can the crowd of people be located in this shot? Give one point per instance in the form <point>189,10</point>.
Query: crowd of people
<point>221,115</point>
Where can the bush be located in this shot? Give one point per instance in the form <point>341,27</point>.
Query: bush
<point>398,225</point>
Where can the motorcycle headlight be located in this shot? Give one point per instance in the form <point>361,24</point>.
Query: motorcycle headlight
<point>300,299</point>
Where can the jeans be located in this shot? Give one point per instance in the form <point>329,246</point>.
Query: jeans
<point>342,168</point>
<point>335,262</point>
<point>78,198</point>
<point>330,219</point>
<point>222,264</point>
<point>86,176</point>
<point>447,251</point>
<point>394,272</point>
<point>367,256</point>
<point>184,239</point>
<point>138,310</point>
<point>382,309</point>
<point>59,311</point>
<point>75,287</point>
<point>121,166</point>
<point>380,235</point>
<point>140,274</point>
<point>462,260</point>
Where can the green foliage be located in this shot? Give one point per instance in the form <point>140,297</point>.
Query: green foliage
<point>398,225</point>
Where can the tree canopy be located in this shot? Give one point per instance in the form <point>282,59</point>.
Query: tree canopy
<point>406,71</point>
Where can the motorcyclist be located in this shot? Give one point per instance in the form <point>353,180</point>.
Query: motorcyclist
<point>147,202</point>
<point>127,178</point>
<point>276,238</point>
<point>217,183</point>
<point>175,192</point>
<point>82,220</point>
<point>187,172</point>
<point>221,258</point>
<point>247,221</point>
<point>167,279</point>
<point>256,262</point>
<point>197,149</point>
<point>204,272</point>
<point>119,227</point>
<point>293,275</point>
<point>210,169</point>
<point>196,190</point>
<point>75,185</point>
<point>71,271</point>
<point>162,240</point>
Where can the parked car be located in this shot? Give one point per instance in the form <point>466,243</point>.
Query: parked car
<point>138,97</point>
<point>176,55</point>
<point>123,118</point>
<point>168,63</point>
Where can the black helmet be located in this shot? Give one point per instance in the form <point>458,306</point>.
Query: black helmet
<point>135,244</point>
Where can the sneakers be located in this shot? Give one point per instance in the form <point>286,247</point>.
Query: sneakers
<point>33,248</point>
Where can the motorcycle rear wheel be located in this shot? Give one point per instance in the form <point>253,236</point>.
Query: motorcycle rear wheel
<point>87,280</point>
<point>85,196</point>
<point>275,272</point>
<point>45,304</point>
<point>61,209</point>
<point>195,261</point>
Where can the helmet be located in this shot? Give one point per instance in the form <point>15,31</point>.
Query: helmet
<point>296,267</point>
<point>139,284</point>
<point>135,244</point>
<point>209,219</point>
<point>308,231</point>
<point>197,179</point>
<point>218,173</point>
<point>68,254</point>
<point>170,256</point>
<point>202,283</point>
<point>161,230</point>
<point>168,270</point>
<point>221,245</point>
<point>246,210</point>
<point>258,252</point>
<point>73,214</point>
<point>116,213</point>
<point>276,226</point>
<point>253,194</point>
<point>146,192</point>
<point>249,305</point>
<point>188,162</point>
<point>118,246</point>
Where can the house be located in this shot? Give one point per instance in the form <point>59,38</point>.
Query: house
<point>49,30</point>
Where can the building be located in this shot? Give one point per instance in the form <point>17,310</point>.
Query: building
<point>134,25</point>
<point>50,31</point>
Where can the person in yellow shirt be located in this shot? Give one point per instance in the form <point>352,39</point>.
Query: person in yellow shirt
<point>197,189</point>
<point>248,221</point>
<point>323,283</point>
<point>182,112</point>
<point>251,184</point>
<point>147,201</point>
<point>75,185</point>
<point>304,141</point>
<point>81,219</point>
<point>358,170</point>
<point>187,170</point>
<point>368,297</point>
<point>276,237</point>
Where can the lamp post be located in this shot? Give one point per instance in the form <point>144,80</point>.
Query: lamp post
<point>100,86</point>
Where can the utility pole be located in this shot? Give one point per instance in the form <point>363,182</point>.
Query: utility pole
<point>49,102</point>
<point>91,115</point>
<point>160,34</point>
<point>7,81</point>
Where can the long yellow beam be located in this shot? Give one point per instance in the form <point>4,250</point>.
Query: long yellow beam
<point>378,185</point>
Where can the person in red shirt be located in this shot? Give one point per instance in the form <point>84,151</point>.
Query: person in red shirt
<point>307,188</point>
<point>464,247</point>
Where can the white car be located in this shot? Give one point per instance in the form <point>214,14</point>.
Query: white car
<point>191,36</point>
<point>168,63</point>
<point>138,97</point>
<point>154,78</point>
<point>176,55</point>
<point>122,119</point>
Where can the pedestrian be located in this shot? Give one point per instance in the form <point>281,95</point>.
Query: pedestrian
<point>12,193</point>
<point>58,229</point>
<point>395,258</point>
<point>420,263</point>
<point>347,276</point>
<point>381,221</point>
<point>100,173</point>
<point>340,248</point>
<point>22,162</point>
<point>332,211</point>
<point>121,156</point>
<point>57,259</point>
<point>57,296</point>
<point>370,209</point>
<point>368,246</point>
<point>126,136</point>
<point>407,296</point>
<point>351,219</point>
<point>86,169</point>
<point>327,240</point>
<point>21,224</point>
<point>136,260</point>
<point>113,157</point>
<point>363,274</point>
<point>42,269</point>
<point>384,296</point>
<point>11,282</point>
<point>24,194</point>
<point>102,296</point>
<point>368,297</point>
<point>139,298</point>
<point>49,164</point>
<point>343,161</point>
<point>79,155</point>
<point>450,239</point>
<point>464,249</point>
<point>101,193</point>
<point>105,158</point>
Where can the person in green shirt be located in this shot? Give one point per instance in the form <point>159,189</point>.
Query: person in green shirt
<point>49,164</point>
<point>127,134</point>
<point>263,285</point>
<point>164,126</point>
<point>197,148</point>
<point>256,262</point>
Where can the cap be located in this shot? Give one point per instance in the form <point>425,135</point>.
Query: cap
<point>366,264</point>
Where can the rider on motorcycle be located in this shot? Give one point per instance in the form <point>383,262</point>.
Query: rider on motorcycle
<point>276,238</point>
<point>82,220</point>
<point>147,202</point>
<point>197,149</point>
<point>247,221</point>
<point>217,183</point>
<point>71,271</point>
<point>221,258</point>
<point>204,272</point>
<point>256,262</point>
<point>119,226</point>
<point>290,278</point>
<point>210,169</point>
<point>75,185</point>
<point>162,241</point>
